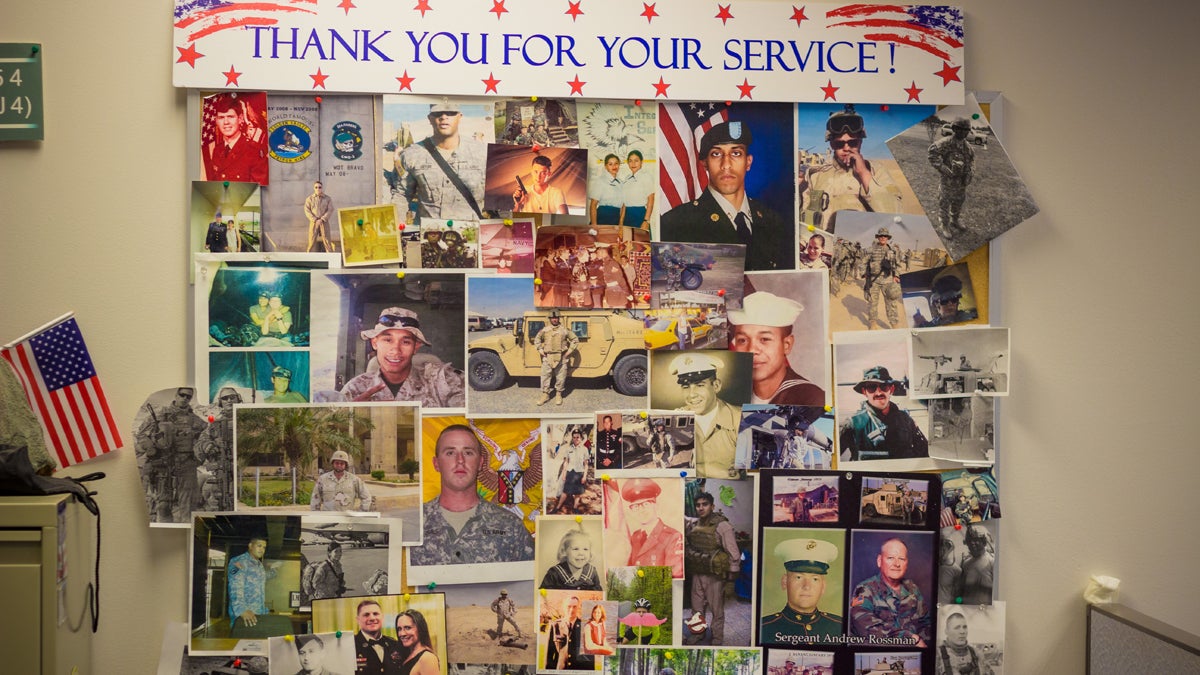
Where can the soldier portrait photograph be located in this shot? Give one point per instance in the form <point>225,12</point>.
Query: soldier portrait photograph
<point>370,625</point>
<point>845,164</point>
<point>659,444</point>
<point>252,372</point>
<point>434,154</point>
<point>347,558</point>
<point>312,654</point>
<point>490,623</point>
<point>552,180</point>
<point>801,586</point>
<point>782,323</point>
<point>175,448</point>
<point>643,523</point>
<point>962,176</point>
<point>721,186</point>
<point>233,137</point>
<point>939,296</point>
<point>718,569</point>
<point>876,417</point>
<point>448,244</point>
<point>603,266</point>
<point>891,590</point>
<point>713,385</point>
<point>871,251</point>
<point>970,639</point>
<point>805,499</point>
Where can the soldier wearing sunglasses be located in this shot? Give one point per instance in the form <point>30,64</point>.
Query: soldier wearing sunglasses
<point>402,373</point>
<point>880,429</point>
<point>849,182</point>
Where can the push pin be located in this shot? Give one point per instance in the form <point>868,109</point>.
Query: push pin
<point>643,414</point>
<point>605,477</point>
<point>669,655</point>
<point>683,473</point>
<point>533,98</point>
<point>897,220</point>
<point>211,419</point>
<point>641,573</point>
<point>579,519</point>
<point>449,223</point>
<point>536,148</point>
<point>728,103</point>
<point>543,591</point>
<point>884,107</point>
<point>338,635</point>
<point>407,596</point>
<point>288,638</point>
<point>974,116</point>
<point>400,226</point>
<point>537,281</point>
<point>638,102</point>
<point>399,275</point>
<point>958,600</point>
<point>237,663</point>
<point>592,231</point>
<point>849,475</point>
<point>811,228</point>
<point>432,585</point>
<point>360,221</point>
<point>317,99</point>
<point>508,222</point>
<point>721,293</point>
<point>958,526</point>
<point>828,408</point>
<point>646,298</point>
<point>35,50</point>
<point>226,184</point>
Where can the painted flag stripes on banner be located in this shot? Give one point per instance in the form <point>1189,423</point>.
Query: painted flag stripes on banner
<point>681,126</point>
<point>60,382</point>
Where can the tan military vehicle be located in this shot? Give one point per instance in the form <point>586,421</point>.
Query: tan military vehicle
<point>610,344</point>
<point>889,501</point>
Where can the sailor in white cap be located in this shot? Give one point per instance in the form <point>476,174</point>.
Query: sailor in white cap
<point>716,421</point>
<point>763,327</point>
<point>404,375</point>
<point>806,564</point>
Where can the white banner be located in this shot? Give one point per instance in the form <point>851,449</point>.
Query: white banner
<point>597,49</point>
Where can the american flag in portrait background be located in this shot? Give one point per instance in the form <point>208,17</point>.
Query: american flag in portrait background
<point>681,126</point>
<point>56,371</point>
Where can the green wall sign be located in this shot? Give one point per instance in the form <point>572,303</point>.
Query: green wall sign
<point>21,116</point>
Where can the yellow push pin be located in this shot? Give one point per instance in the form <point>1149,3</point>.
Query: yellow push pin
<point>289,638</point>
<point>811,228</point>
<point>508,222</point>
<point>828,408</point>
<point>643,414</point>
<point>579,519</point>
<point>407,596</point>
<point>669,655</point>
<point>641,573</point>
<point>605,478</point>
<point>537,281</point>
<point>399,275</point>
<point>533,98</point>
<point>543,591</point>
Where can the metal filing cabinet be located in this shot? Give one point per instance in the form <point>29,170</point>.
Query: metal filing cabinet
<point>47,558</point>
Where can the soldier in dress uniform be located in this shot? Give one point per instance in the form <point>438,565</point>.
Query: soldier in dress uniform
<point>402,376</point>
<point>806,564</point>
<point>954,159</point>
<point>716,421</point>
<point>763,327</point>
<point>618,293</point>
<point>724,213</point>
<point>889,604</point>
<point>883,279</point>
<point>608,445</point>
<point>652,542</point>
<point>849,182</point>
<point>555,344</point>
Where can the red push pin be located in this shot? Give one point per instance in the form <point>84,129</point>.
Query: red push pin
<point>958,526</point>
<point>237,663</point>
<point>211,419</point>
<point>646,298</point>
<point>536,148</point>
<point>638,102</point>
<point>400,226</point>
<point>721,293</point>
<point>728,103</point>
<point>317,99</point>
<point>884,107</point>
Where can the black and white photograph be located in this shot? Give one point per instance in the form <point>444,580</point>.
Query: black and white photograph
<point>577,362</point>
<point>524,179</point>
<point>601,266</point>
<point>570,554</point>
<point>805,499</point>
<point>344,557</point>
<point>406,632</point>
<point>971,637</point>
<point>962,429</point>
<point>244,570</point>
<point>871,253</point>
<point>713,385</point>
<point>571,484</point>
<point>382,337</point>
<point>643,523</point>
<point>891,593</point>
<point>963,177</point>
<point>968,561</point>
<point>877,420</point>
<point>325,653</point>
<point>657,443</point>
<point>226,217</point>
<point>184,454</point>
<point>700,275</point>
<point>893,501</point>
<point>718,516</point>
<point>489,624</point>
<point>960,361</point>
<point>797,661</point>
<point>785,437</point>
<point>784,322</point>
<point>940,296</point>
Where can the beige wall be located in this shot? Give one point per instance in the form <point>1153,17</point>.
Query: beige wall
<point>1098,444</point>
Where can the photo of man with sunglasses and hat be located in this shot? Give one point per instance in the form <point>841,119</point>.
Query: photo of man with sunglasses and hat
<point>400,372</point>
<point>849,182</point>
<point>880,429</point>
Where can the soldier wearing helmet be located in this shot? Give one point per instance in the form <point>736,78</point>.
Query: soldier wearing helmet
<point>555,344</point>
<point>340,489</point>
<point>849,182</point>
<point>953,158</point>
<point>883,280</point>
<point>945,295</point>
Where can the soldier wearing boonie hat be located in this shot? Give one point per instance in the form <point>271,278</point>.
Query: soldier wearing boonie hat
<point>880,429</point>
<point>403,374</point>
<point>763,327</point>
<point>281,382</point>
<point>716,421</point>
<point>806,563</point>
<point>651,541</point>
<point>849,182</point>
<point>724,213</point>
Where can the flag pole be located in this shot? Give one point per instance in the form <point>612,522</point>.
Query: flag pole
<point>39,329</point>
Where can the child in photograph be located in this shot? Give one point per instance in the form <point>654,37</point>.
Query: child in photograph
<point>574,570</point>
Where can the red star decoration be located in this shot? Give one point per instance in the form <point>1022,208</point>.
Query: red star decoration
<point>830,90</point>
<point>347,5</point>
<point>648,11</point>
<point>798,15</point>
<point>319,79</point>
<point>724,14</point>
<point>574,9</point>
<point>948,73</point>
<point>660,89</point>
<point>422,7</point>
<point>745,88</point>
<point>576,85</point>
<point>914,92</point>
<point>405,81</point>
<point>498,8</point>
<point>188,55</point>
<point>491,83</point>
<point>232,76</point>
